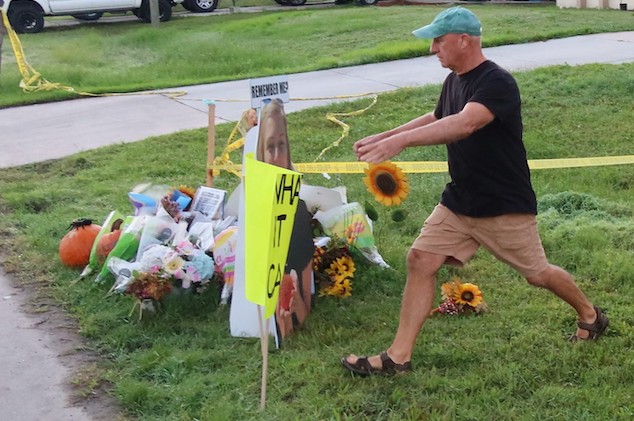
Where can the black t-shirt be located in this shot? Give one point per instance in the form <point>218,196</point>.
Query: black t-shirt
<point>489,171</point>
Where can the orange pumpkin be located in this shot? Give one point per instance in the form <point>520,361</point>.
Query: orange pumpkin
<point>106,244</point>
<point>75,246</point>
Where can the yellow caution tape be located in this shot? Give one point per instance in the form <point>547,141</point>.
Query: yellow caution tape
<point>223,159</point>
<point>359,167</point>
<point>345,128</point>
<point>413,167</point>
<point>541,164</point>
<point>29,75</point>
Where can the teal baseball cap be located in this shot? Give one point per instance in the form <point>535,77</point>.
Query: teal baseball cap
<point>455,20</point>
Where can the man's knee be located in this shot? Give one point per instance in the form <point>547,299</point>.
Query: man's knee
<point>549,275</point>
<point>424,262</point>
<point>538,280</point>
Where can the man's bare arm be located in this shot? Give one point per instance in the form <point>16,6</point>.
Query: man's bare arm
<point>473,117</point>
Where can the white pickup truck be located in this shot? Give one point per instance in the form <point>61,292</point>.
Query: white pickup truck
<point>27,16</point>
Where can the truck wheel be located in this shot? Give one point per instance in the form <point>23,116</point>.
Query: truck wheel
<point>200,6</point>
<point>89,16</point>
<point>165,11</point>
<point>26,18</point>
<point>296,2</point>
<point>368,2</point>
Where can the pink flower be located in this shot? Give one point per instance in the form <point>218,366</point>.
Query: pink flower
<point>448,307</point>
<point>186,248</point>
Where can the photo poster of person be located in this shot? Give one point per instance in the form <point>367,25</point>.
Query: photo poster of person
<point>297,287</point>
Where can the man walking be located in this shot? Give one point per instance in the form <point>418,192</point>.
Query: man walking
<point>489,202</point>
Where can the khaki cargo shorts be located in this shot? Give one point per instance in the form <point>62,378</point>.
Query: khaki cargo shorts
<point>511,238</point>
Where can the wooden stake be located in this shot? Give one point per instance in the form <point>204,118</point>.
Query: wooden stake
<point>264,344</point>
<point>211,142</point>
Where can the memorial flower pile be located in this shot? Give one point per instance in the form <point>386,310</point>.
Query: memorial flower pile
<point>460,298</point>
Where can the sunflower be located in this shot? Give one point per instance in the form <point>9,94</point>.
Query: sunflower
<point>318,258</point>
<point>345,288</point>
<point>469,294</point>
<point>387,183</point>
<point>343,267</point>
<point>340,288</point>
<point>451,290</point>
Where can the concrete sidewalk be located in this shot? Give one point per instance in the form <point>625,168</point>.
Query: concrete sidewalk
<point>33,379</point>
<point>48,131</point>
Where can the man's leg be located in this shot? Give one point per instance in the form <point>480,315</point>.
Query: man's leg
<point>514,239</point>
<point>418,298</point>
<point>562,284</point>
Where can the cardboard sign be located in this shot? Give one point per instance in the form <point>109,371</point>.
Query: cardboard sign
<point>271,197</point>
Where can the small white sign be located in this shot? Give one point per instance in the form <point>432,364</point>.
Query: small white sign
<point>268,88</point>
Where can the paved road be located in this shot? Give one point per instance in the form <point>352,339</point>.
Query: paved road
<point>31,376</point>
<point>47,131</point>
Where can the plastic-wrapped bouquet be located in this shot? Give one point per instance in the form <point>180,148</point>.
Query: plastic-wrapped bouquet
<point>184,264</point>
<point>334,269</point>
<point>162,268</point>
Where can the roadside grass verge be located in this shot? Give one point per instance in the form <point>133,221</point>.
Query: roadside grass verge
<point>512,363</point>
<point>128,56</point>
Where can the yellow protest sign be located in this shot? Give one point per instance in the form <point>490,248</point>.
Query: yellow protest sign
<point>271,195</point>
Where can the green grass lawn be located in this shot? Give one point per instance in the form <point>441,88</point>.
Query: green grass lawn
<point>512,363</point>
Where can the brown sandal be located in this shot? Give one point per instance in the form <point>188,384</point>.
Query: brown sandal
<point>362,366</point>
<point>596,329</point>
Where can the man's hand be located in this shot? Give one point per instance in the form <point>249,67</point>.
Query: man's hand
<point>375,149</point>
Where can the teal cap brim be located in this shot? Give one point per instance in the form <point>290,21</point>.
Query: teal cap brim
<point>429,31</point>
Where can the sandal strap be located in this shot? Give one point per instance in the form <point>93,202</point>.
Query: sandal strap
<point>389,366</point>
<point>363,367</point>
<point>597,328</point>
<point>363,364</point>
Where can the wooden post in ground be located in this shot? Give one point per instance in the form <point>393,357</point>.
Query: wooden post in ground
<point>211,142</point>
<point>155,17</point>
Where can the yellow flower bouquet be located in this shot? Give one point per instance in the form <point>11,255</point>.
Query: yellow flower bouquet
<point>460,298</point>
